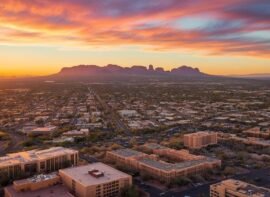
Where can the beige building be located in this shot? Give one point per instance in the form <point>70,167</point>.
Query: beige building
<point>37,161</point>
<point>40,185</point>
<point>49,130</point>
<point>248,140</point>
<point>258,132</point>
<point>180,155</point>
<point>170,171</point>
<point>151,165</point>
<point>200,139</point>
<point>127,157</point>
<point>76,133</point>
<point>235,188</point>
<point>95,180</point>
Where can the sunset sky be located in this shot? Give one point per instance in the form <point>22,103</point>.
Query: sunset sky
<point>39,37</point>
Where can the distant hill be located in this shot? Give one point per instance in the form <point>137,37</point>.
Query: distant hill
<point>265,76</point>
<point>116,70</point>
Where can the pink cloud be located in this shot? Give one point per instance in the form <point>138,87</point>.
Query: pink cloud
<point>145,23</point>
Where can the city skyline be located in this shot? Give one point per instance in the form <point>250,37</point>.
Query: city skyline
<point>225,38</point>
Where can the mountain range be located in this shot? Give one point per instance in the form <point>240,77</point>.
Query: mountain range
<point>115,70</point>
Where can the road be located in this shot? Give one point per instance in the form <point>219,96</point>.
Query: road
<point>112,115</point>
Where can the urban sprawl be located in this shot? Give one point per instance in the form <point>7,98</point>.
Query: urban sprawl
<point>135,139</point>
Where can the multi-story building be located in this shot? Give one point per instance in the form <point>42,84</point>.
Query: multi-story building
<point>95,180</point>
<point>248,140</point>
<point>171,171</point>
<point>200,139</point>
<point>258,132</point>
<point>49,130</point>
<point>39,185</point>
<point>37,161</point>
<point>76,133</point>
<point>180,155</point>
<point>237,188</point>
<point>157,168</point>
<point>127,157</point>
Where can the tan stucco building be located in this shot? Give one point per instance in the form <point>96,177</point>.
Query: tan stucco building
<point>95,180</point>
<point>200,139</point>
<point>48,185</point>
<point>151,164</point>
<point>235,188</point>
<point>38,161</point>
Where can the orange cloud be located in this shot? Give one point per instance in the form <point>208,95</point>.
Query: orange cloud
<point>151,24</point>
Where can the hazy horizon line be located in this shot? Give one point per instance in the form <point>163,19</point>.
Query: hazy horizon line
<point>52,73</point>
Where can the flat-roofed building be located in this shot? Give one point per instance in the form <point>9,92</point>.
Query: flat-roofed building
<point>95,180</point>
<point>128,113</point>
<point>181,155</point>
<point>40,185</point>
<point>251,141</point>
<point>258,132</point>
<point>127,157</point>
<point>200,139</point>
<point>151,165</point>
<point>170,171</point>
<point>49,130</point>
<point>37,161</point>
<point>76,133</point>
<point>237,188</point>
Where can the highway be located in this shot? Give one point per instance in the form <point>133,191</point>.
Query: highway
<point>112,115</point>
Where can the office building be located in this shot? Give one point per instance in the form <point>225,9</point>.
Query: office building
<point>95,180</point>
<point>42,185</point>
<point>200,139</point>
<point>235,188</point>
<point>151,164</point>
<point>37,161</point>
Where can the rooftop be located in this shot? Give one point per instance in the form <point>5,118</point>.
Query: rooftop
<point>37,178</point>
<point>153,146</point>
<point>52,191</point>
<point>94,174</point>
<point>33,155</point>
<point>177,166</point>
<point>200,133</point>
<point>246,188</point>
<point>45,129</point>
<point>127,152</point>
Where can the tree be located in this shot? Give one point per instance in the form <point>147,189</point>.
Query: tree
<point>229,171</point>
<point>4,179</point>
<point>181,181</point>
<point>129,191</point>
<point>40,122</point>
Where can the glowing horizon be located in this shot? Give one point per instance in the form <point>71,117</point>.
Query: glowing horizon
<point>226,37</point>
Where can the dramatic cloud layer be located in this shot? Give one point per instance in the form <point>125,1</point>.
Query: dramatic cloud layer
<point>216,27</point>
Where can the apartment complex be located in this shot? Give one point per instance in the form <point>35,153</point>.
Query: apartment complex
<point>38,161</point>
<point>237,188</point>
<point>95,180</point>
<point>151,165</point>
<point>200,139</point>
